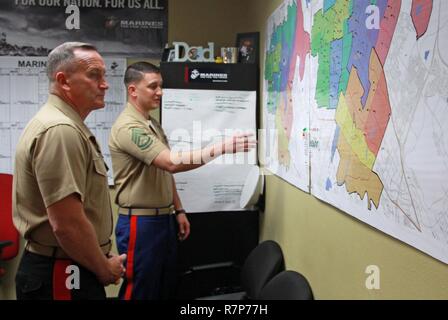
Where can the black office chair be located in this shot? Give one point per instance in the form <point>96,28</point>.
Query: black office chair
<point>263,262</point>
<point>287,285</point>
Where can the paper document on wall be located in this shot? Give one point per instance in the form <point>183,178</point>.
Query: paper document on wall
<point>192,119</point>
<point>24,89</point>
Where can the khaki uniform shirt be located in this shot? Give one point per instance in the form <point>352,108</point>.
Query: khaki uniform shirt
<point>134,143</point>
<point>56,156</point>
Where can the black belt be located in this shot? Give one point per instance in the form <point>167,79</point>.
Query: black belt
<point>57,252</point>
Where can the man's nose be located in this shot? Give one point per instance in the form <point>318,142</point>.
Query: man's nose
<point>104,85</point>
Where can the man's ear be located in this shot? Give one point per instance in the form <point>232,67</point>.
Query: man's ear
<point>132,90</point>
<point>62,81</point>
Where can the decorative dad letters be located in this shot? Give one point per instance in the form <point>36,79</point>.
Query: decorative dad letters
<point>193,54</point>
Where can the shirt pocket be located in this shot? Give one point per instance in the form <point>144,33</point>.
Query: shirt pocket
<point>100,166</point>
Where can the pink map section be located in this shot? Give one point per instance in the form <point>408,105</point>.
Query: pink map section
<point>301,45</point>
<point>421,13</point>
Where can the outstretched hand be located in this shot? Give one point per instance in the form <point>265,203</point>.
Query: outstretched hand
<point>243,142</point>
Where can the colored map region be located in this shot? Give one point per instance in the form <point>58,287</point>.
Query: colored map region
<point>421,12</point>
<point>378,105</point>
<point>286,52</point>
<point>351,79</point>
<point>372,75</point>
<point>289,42</point>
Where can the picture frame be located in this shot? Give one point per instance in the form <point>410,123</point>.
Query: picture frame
<point>248,45</point>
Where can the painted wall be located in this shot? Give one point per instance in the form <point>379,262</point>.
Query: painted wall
<point>200,21</point>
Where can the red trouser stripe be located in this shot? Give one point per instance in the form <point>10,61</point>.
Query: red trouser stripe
<point>60,290</point>
<point>130,258</point>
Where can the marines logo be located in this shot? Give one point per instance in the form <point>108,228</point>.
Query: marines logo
<point>194,74</point>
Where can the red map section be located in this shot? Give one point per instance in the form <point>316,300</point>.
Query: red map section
<point>301,45</point>
<point>421,13</point>
<point>387,29</point>
<point>301,49</point>
<point>378,104</point>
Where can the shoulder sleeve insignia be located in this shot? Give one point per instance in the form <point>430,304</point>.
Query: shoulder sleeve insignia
<point>141,138</point>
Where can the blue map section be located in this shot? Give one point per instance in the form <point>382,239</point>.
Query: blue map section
<point>328,4</point>
<point>335,72</point>
<point>363,40</point>
<point>277,82</point>
<point>347,43</point>
<point>335,142</point>
<point>284,64</point>
<point>328,184</point>
<point>418,10</point>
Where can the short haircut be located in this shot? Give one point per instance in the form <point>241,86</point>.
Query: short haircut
<point>135,72</point>
<point>62,57</point>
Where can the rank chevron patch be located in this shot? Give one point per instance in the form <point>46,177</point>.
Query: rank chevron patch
<point>141,138</point>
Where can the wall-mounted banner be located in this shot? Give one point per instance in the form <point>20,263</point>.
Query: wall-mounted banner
<point>131,28</point>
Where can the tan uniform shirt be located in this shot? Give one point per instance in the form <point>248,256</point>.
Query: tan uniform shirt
<point>56,156</point>
<point>134,143</point>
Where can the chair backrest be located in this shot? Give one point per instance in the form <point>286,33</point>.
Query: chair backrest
<point>7,230</point>
<point>263,262</point>
<point>287,285</point>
